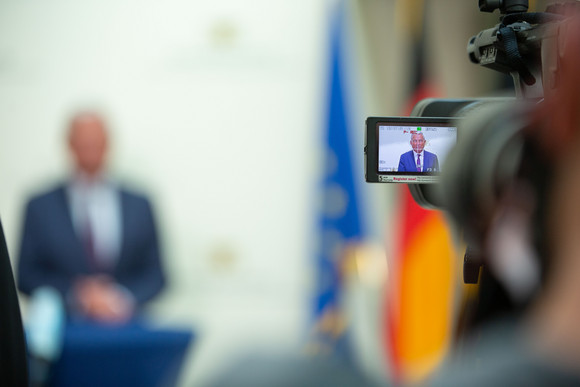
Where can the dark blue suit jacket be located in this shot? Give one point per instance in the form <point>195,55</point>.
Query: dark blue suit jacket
<point>51,253</point>
<point>408,164</point>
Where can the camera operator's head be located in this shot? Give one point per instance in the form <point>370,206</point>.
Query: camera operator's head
<point>555,136</point>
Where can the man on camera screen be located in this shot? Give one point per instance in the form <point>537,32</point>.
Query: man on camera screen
<point>418,159</point>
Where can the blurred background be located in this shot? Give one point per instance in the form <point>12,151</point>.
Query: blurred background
<point>223,112</point>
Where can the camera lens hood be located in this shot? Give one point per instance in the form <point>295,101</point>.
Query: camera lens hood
<point>484,162</point>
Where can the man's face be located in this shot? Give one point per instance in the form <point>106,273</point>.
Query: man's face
<point>88,144</point>
<point>418,143</point>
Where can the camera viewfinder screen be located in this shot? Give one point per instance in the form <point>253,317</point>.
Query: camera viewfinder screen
<point>409,152</point>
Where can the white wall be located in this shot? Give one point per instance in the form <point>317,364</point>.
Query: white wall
<point>216,110</point>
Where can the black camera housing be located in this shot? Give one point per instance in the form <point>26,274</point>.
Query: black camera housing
<point>504,6</point>
<point>393,132</point>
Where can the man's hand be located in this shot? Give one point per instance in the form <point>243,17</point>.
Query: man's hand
<point>103,300</point>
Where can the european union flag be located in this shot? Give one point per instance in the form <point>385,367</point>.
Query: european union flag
<point>339,218</point>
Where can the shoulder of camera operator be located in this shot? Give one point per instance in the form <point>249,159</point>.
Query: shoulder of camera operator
<point>502,354</point>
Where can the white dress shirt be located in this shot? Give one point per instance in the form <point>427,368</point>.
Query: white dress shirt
<point>96,202</point>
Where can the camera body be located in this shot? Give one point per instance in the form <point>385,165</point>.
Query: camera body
<point>492,151</point>
<point>514,46</point>
<point>444,114</point>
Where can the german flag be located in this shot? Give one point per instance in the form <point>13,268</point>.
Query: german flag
<point>420,292</point>
<point>423,276</point>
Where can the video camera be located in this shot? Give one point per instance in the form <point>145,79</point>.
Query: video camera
<point>474,173</point>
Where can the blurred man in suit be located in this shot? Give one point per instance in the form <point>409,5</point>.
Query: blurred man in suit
<point>418,159</point>
<point>90,239</point>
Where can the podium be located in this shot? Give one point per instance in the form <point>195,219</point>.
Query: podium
<point>129,355</point>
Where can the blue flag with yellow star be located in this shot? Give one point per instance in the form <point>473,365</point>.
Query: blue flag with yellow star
<point>339,219</point>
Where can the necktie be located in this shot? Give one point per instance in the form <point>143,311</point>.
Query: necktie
<point>88,236</point>
<point>90,245</point>
<point>418,163</point>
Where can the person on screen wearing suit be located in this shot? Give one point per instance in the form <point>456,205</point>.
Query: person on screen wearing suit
<point>93,241</point>
<point>418,159</point>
